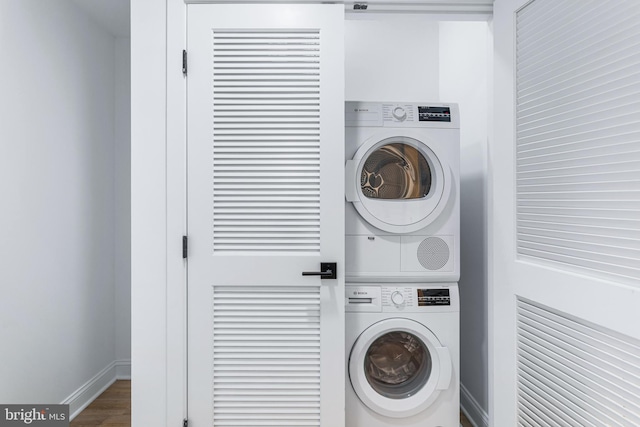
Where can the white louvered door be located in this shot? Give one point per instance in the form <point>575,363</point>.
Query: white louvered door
<point>265,98</point>
<point>566,214</point>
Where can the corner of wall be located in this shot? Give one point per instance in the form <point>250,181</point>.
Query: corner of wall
<point>472,409</point>
<point>122,205</point>
<point>89,391</point>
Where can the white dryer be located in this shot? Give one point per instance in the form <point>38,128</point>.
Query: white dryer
<point>403,353</point>
<point>402,192</point>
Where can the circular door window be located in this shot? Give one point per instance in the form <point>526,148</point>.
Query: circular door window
<point>398,184</point>
<point>395,171</point>
<point>397,367</point>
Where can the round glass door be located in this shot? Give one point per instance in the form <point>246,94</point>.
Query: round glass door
<point>398,184</point>
<point>398,367</point>
<point>395,171</point>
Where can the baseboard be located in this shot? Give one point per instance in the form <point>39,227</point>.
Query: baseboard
<point>472,409</point>
<point>123,369</point>
<point>93,388</point>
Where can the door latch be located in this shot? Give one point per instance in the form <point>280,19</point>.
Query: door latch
<point>328,270</point>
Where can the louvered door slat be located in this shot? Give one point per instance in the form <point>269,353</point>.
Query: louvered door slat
<point>578,136</point>
<point>266,135</point>
<point>266,371</point>
<point>572,371</point>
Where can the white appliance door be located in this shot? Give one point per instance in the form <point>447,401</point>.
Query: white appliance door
<point>398,367</point>
<point>565,214</point>
<point>397,182</point>
<point>265,141</point>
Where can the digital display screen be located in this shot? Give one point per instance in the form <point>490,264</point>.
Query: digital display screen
<point>430,297</point>
<point>434,114</point>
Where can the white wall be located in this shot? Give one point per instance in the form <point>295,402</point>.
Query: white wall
<point>391,60</point>
<point>122,208</point>
<point>464,60</point>
<point>425,60</point>
<point>58,234</point>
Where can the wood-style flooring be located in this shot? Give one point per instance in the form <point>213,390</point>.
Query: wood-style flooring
<point>464,422</point>
<point>113,409</point>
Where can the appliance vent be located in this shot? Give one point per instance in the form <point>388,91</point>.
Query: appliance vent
<point>266,141</point>
<point>266,356</point>
<point>433,253</point>
<point>574,373</point>
<point>578,136</point>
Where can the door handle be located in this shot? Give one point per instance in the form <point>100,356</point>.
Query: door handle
<point>329,270</point>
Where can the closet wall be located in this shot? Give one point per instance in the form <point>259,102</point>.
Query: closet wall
<point>464,57</point>
<point>417,58</point>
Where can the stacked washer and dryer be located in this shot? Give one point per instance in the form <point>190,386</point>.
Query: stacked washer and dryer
<point>402,264</point>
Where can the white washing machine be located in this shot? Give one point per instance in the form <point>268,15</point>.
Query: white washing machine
<point>403,353</point>
<point>402,192</point>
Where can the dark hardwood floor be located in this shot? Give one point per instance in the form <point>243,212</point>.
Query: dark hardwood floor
<point>464,422</point>
<point>113,409</point>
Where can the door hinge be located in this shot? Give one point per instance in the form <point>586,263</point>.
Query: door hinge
<point>184,247</point>
<point>185,423</point>
<point>184,62</point>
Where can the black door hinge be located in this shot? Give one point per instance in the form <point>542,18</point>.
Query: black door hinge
<point>184,247</point>
<point>184,62</point>
<point>185,423</point>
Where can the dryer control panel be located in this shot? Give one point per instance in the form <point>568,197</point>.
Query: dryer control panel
<point>399,298</point>
<point>401,114</point>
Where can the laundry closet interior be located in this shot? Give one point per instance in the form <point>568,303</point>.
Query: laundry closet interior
<point>194,199</point>
<point>255,108</point>
<point>276,193</point>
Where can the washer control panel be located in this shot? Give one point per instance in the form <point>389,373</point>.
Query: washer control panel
<point>414,298</point>
<point>427,297</point>
<point>397,297</point>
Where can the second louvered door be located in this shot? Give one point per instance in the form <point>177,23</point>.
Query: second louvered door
<point>566,214</point>
<point>265,198</point>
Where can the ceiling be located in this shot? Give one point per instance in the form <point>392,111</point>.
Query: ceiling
<point>113,15</point>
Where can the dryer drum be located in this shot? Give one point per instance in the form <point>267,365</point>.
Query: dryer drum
<point>397,365</point>
<point>396,171</point>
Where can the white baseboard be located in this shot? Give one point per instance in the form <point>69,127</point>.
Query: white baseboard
<point>93,388</point>
<point>472,409</point>
<point>81,398</point>
<point>123,369</point>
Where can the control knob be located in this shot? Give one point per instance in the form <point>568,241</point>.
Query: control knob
<point>397,298</point>
<point>399,113</point>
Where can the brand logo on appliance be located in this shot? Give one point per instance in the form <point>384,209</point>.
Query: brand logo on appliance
<point>359,110</point>
<point>360,292</point>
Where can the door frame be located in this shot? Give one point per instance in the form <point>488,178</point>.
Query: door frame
<point>176,164</point>
<point>158,221</point>
<point>501,304</point>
